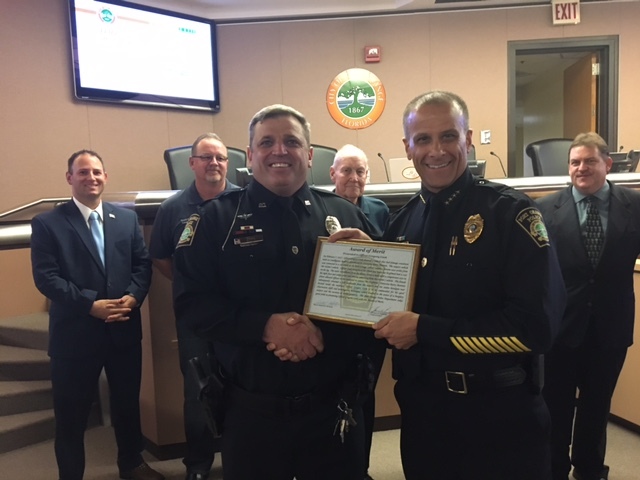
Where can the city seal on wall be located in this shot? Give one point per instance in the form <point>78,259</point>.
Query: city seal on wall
<point>356,98</point>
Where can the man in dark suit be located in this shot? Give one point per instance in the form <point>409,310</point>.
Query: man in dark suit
<point>349,174</point>
<point>95,286</point>
<point>597,249</point>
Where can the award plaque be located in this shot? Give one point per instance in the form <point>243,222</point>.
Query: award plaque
<point>360,282</point>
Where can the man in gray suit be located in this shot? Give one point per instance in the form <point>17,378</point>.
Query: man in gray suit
<point>596,229</point>
<point>96,287</point>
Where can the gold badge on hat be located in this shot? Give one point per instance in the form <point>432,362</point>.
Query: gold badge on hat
<point>473,228</point>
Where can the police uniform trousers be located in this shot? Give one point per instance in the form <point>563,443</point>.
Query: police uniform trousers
<point>369,405</point>
<point>453,436</point>
<point>200,442</point>
<point>280,439</point>
<point>594,371</point>
<point>74,383</point>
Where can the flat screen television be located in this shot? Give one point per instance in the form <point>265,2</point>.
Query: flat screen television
<point>128,53</point>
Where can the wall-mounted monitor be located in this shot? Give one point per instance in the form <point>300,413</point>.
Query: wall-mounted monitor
<point>128,53</point>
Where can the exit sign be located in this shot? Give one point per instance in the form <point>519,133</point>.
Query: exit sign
<point>565,12</point>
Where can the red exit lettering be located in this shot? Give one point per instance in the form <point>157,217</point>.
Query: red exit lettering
<point>566,11</point>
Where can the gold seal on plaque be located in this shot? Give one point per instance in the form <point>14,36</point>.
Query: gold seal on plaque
<point>473,228</point>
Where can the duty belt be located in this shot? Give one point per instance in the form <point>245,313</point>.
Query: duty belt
<point>471,382</point>
<point>279,405</point>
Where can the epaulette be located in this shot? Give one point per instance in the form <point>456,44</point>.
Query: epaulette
<point>500,188</point>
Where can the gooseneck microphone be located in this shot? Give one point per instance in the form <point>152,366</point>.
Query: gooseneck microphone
<point>386,169</point>
<point>501,164</point>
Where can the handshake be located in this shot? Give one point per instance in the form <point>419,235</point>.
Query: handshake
<point>292,337</point>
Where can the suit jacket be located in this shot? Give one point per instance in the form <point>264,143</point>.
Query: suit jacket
<point>68,271</point>
<point>601,299</point>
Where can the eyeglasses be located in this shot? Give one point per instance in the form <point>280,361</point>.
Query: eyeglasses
<point>209,158</point>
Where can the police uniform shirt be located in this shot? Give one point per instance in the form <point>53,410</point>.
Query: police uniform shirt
<point>247,256</point>
<point>488,289</point>
<point>171,218</point>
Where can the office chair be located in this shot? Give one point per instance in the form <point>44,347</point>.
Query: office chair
<point>244,175</point>
<point>477,167</point>
<point>177,160</point>
<point>237,159</point>
<point>624,162</point>
<point>472,153</point>
<point>323,157</point>
<point>549,157</point>
<point>181,175</point>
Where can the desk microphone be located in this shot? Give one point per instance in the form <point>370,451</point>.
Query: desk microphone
<point>501,165</point>
<point>386,169</point>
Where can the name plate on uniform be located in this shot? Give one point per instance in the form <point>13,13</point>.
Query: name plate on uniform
<point>361,282</point>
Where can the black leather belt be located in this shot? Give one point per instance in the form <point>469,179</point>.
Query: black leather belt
<point>470,382</point>
<point>280,405</point>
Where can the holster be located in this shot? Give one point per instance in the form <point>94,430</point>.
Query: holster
<point>536,372</point>
<point>359,382</point>
<point>206,371</point>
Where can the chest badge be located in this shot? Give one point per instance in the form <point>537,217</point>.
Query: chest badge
<point>332,224</point>
<point>473,228</point>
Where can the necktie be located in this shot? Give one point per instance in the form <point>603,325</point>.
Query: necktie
<point>96,232</point>
<point>593,234</point>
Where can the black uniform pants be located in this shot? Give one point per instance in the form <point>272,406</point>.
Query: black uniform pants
<point>498,434</point>
<point>258,443</point>
<point>594,372</point>
<point>200,443</point>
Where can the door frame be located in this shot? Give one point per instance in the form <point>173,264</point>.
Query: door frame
<point>607,46</point>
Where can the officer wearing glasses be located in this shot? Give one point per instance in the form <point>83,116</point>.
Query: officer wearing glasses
<point>209,163</point>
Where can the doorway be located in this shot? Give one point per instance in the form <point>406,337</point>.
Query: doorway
<point>559,88</point>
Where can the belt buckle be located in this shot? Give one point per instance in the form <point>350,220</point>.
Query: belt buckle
<point>450,376</point>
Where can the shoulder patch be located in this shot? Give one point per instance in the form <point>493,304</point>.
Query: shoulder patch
<point>530,219</point>
<point>186,238</point>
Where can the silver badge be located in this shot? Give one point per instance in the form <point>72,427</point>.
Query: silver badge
<point>332,224</point>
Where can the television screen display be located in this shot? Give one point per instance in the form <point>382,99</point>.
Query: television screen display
<point>135,54</point>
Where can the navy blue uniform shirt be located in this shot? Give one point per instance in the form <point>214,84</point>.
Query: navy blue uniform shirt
<point>489,290</point>
<point>242,260</point>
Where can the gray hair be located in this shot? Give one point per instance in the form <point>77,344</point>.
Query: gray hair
<point>436,97</point>
<point>204,136</point>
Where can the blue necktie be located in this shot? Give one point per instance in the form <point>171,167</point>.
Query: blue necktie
<point>96,232</point>
<point>593,233</point>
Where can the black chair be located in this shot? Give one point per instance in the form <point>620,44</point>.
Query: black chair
<point>477,167</point>
<point>181,175</point>
<point>471,155</point>
<point>549,157</point>
<point>243,176</point>
<point>323,157</point>
<point>624,162</point>
<point>237,159</point>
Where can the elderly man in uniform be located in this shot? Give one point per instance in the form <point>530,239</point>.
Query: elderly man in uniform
<point>246,261</point>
